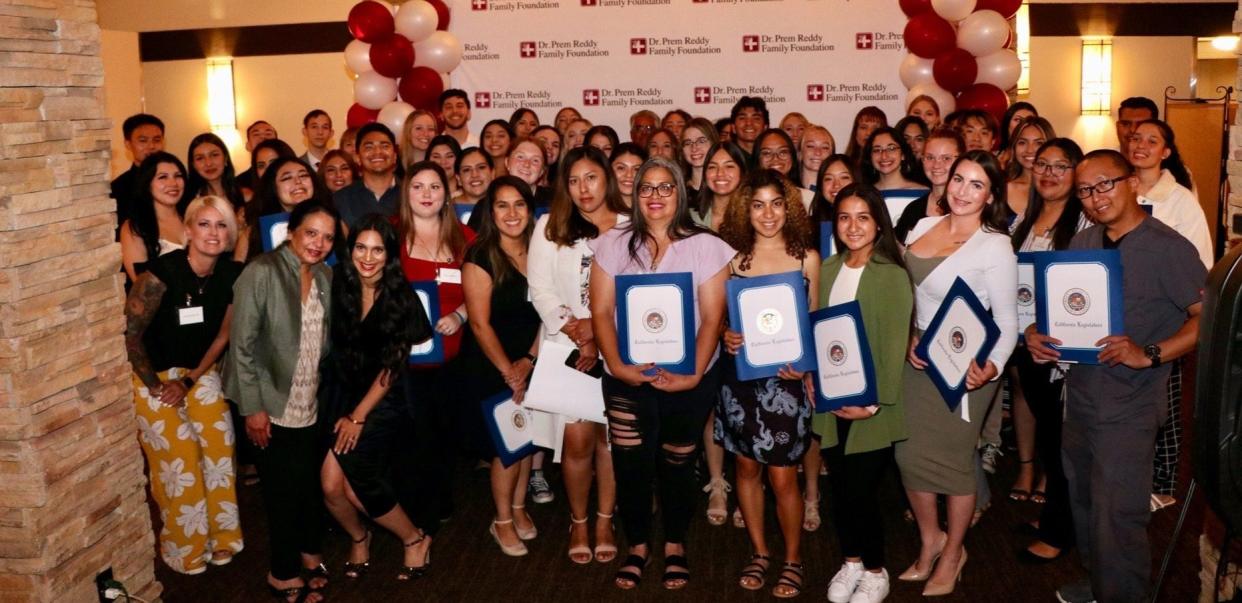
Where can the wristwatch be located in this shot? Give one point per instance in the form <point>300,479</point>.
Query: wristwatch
<point>188,383</point>
<point>1153,353</point>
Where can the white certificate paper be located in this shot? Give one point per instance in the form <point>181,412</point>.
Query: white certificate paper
<point>426,346</point>
<point>655,324</point>
<point>957,342</point>
<point>1026,296</point>
<point>278,232</point>
<point>839,357</point>
<point>770,325</point>
<point>1078,304</point>
<point>557,388</point>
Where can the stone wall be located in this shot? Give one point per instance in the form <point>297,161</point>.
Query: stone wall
<point>72,490</point>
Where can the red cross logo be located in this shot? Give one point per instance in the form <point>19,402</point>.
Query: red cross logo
<point>588,3</point>
<point>702,95</point>
<point>700,1</point>
<point>750,43</point>
<point>863,41</point>
<point>590,98</point>
<point>483,100</point>
<point>638,46</point>
<point>815,92</point>
<point>478,4</point>
<point>528,50</point>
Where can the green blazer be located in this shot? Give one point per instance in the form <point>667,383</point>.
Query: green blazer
<point>267,330</point>
<point>887,300</point>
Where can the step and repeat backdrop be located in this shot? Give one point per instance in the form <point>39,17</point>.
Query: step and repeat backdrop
<point>610,58</point>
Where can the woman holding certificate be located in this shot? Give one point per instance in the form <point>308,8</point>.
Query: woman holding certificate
<point>587,204</point>
<point>867,269</point>
<point>505,325</point>
<point>970,242</point>
<point>656,416</point>
<point>766,422</point>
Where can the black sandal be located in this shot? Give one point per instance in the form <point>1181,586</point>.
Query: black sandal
<point>319,571</point>
<point>670,575</point>
<point>354,571</point>
<point>299,593</point>
<point>408,573</point>
<point>791,577</point>
<point>756,570</point>
<point>631,577</point>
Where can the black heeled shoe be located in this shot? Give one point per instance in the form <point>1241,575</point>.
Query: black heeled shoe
<point>299,593</point>
<point>318,572</point>
<point>354,571</point>
<point>408,573</point>
<point>627,579</point>
<point>675,579</point>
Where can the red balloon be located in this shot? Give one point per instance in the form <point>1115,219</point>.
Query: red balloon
<point>914,7</point>
<point>391,56</point>
<point>442,10</point>
<point>929,36</point>
<point>421,87</point>
<point>955,70</point>
<point>371,21</point>
<point>1007,8</point>
<point>359,116</point>
<point>986,97</point>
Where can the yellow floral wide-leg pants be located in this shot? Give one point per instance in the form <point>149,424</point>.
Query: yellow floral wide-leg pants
<point>189,451</point>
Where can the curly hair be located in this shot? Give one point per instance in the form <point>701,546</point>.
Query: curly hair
<point>739,233</point>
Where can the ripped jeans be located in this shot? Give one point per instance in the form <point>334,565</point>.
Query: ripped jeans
<point>655,437</point>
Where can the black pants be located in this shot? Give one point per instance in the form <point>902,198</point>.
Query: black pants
<point>426,459</point>
<point>1044,398</point>
<point>655,437</point>
<point>855,490</point>
<point>289,479</point>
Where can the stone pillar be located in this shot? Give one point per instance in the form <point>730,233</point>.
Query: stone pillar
<point>72,490</point>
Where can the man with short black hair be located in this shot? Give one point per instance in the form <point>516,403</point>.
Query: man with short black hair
<point>1130,113</point>
<point>317,129</point>
<point>750,118</point>
<point>455,113</point>
<point>1113,409</point>
<point>642,124</point>
<point>144,135</point>
<point>255,133</point>
<point>377,191</point>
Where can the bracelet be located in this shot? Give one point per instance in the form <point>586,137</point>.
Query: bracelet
<point>460,316</point>
<point>187,382</point>
<point>530,357</point>
<point>354,421</point>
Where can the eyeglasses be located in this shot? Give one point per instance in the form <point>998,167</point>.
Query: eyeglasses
<point>697,142</point>
<point>781,153</point>
<point>892,148</point>
<point>1085,192</point>
<point>665,188</point>
<point>643,128</point>
<point>1054,169</point>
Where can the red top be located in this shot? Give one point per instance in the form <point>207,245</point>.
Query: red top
<point>452,295</point>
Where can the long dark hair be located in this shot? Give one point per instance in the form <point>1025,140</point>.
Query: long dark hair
<point>488,242</point>
<point>739,232</point>
<point>885,249</point>
<point>995,216</point>
<point>402,319</point>
<point>705,192</point>
<point>794,174</point>
<point>1005,137</point>
<point>821,205</point>
<point>565,223</point>
<point>142,220</point>
<point>851,148</point>
<point>195,185</point>
<point>682,226</point>
<point>452,237</point>
<point>1067,225</point>
<point>266,200</point>
<point>1014,169</point>
<point>910,167</point>
<point>1173,162</point>
<point>605,131</point>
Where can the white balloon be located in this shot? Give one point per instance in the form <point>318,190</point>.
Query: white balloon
<point>953,10</point>
<point>416,19</point>
<point>448,82</point>
<point>393,115</point>
<point>373,91</point>
<point>983,33</point>
<point>358,57</point>
<point>944,99</point>
<point>915,70</point>
<point>1001,69</point>
<point>440,51</point>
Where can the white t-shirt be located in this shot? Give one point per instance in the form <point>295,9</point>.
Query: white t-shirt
<point>845,288</point>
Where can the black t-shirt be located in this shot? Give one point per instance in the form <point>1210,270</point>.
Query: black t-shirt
<point>915,211</point>
<point>170,343</point>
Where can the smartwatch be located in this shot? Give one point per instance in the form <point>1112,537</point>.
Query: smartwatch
<point>1153,353</point>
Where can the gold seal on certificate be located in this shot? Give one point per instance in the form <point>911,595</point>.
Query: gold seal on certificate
<point>655,320</point>
<point>770,312</point>
<point>1078,300</point>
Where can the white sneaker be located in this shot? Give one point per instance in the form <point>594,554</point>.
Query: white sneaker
<point>872,588</point>
<point>844,583</point>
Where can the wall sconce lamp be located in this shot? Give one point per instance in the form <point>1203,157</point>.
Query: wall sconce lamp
<point>1097,76</point>
<point>221,108</point>
<point>1023,26</point>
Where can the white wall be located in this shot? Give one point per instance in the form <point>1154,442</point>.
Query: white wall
<point>1142,66</point>
<point>122,89</point>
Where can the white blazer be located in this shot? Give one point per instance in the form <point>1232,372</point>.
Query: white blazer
<point>987,263</point>
<point>559,279</point>
<point>1179,209</point>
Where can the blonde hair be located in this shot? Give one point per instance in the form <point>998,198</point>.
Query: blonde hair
<point>219,204</point>
<point>407,147</point>
<point>818,128</point>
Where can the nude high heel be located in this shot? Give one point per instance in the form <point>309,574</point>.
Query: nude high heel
<point>934,589</point>
<point>913,574</point>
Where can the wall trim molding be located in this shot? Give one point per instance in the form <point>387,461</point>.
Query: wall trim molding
<point>1198,19</point>
<point>256,40</point>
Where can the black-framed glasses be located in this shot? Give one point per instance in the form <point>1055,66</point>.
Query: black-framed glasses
<point>892,148</point>
<point>781,153</point>
<point>1055,169</point>
<point>1103,186</point>
<point>665,189</point>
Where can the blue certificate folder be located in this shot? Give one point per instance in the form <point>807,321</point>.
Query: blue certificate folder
<point>827,244</point>
<point>1026,292</point>
<point>274,229</point>
<point>655,320</point>
<point>510,426</point>
<point>432,350</point>
<point>845,374</point>
<point>961,330</point>
<point>770,312</point>
<point>1078,300</point>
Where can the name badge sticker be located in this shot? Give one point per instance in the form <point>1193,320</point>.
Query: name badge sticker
<point>448,275</point>
<point>190,316</point>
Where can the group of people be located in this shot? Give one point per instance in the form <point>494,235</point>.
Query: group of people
<point>313,359</point>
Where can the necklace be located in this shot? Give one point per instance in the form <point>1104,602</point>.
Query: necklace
<point>431,255</point>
